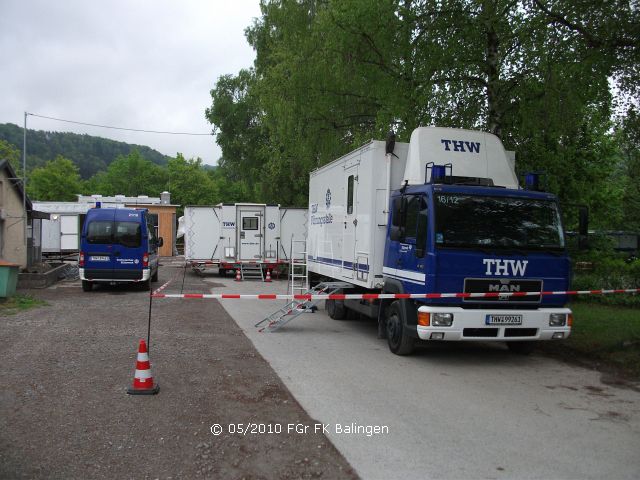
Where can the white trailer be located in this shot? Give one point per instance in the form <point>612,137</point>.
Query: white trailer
<point>225,235</point>
<point>348,203</point>
<point>61,233</point>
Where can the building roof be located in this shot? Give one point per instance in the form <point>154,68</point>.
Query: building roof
<point>11,173</point>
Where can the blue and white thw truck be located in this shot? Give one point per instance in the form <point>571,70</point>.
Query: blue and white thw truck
<point>443,213</point>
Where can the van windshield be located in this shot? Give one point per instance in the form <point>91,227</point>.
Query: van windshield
<point>497,222</point>
<point>127,234</point>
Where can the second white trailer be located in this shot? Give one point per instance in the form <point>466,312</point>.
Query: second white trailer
<point>226,235</point>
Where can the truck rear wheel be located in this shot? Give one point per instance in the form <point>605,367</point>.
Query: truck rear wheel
<point>87,286</point>
<point>521,348</point>
<point>335,309</point>
<point>399,339</point>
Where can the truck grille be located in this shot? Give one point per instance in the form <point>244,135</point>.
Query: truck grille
<point>520,332</point>
<point>500,285</point>
<point>480,332</point>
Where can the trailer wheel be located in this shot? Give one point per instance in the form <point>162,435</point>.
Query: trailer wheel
<point>87,286</point>
<point>335,309</point>
<point>520,348</point>
<point>399,340</point>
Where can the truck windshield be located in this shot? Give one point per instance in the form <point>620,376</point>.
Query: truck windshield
<point>497,222</point>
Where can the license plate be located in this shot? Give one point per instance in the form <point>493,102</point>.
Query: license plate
<point>503,320</point>
<point>99,258</point>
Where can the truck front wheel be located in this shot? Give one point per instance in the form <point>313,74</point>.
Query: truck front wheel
<point>335,309</point>
<point>399,339</point>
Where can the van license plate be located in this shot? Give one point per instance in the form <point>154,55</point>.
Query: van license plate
<point>503,320</point>
<point>99,258</point>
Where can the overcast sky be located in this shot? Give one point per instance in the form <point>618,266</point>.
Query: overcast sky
<point>143,64</point>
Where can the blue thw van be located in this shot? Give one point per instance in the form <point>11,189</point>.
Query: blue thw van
<point>118,245</point>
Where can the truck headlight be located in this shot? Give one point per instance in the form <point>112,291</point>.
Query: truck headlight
<point>441,319</point>
<point>557,319</point>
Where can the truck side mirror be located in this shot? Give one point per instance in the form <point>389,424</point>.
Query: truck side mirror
<point>583,228</point>
<point>160,242</point>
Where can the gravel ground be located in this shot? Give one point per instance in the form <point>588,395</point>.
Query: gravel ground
<point>64,412</point>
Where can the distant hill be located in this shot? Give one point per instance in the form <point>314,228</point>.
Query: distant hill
<point>91,154</point>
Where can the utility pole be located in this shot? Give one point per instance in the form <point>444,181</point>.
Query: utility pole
<point>24,179</point>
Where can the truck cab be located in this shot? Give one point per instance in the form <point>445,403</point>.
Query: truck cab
<point>488,243</point>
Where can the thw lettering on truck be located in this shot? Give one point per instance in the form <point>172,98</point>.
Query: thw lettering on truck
<point>505,267</point>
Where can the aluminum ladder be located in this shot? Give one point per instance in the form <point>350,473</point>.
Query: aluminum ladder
<point>297,307</point>
<point>298,269</point>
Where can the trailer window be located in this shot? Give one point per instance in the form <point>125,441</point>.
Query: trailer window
<point>350,195</point>
<point>250,223</point>
<point>100,232</point>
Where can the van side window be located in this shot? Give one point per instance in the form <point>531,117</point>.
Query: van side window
<point>350,195</point>
<point>100,232</point>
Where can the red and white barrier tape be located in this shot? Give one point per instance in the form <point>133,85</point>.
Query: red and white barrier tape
<point>381,296</point>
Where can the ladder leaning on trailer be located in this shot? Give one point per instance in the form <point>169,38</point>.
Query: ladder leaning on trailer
<point>298,268</point>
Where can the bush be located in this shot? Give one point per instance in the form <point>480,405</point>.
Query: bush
<point>609,271</point>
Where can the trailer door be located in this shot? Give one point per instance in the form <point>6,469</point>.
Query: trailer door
<point>250,235</point>
<point>349,261</point>
<point>68,233</point>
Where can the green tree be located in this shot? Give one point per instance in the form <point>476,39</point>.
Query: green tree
<point>189,183</point>
<point>58,180</point>
<point>628,136</point>
<point>130,175</point>
<point>330,75</point>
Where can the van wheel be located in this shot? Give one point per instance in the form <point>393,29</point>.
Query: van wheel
<point>520,348</point>
<point>399,340</point>
<point>154,277</point>
<point>87,286</point>
<point>335,309</point>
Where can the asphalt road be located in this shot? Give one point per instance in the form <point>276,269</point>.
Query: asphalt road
<point>464,410</point>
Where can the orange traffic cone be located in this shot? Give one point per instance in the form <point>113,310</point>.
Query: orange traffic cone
<point>268,279</point>
<point>238,277</point>
<point>142,379</point>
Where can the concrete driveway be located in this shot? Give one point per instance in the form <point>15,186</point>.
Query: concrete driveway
<point>464,410</point>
